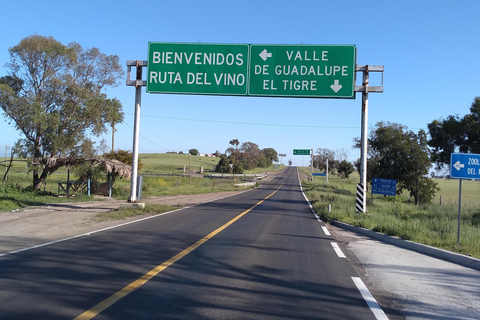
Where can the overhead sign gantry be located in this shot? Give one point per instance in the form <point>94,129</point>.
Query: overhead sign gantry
<point>264,70</point>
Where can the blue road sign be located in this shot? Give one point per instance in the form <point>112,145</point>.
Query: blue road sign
<point>465,166</point>
<point>384,186</point>
<point>319,174</point>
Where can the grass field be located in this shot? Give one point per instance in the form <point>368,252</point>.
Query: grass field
<point>173,163</point>
<point>163,175</point>
<point>431,224</point>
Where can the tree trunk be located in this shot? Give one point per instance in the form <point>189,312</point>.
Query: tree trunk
<point>8,167</point>
<point>37,182</point>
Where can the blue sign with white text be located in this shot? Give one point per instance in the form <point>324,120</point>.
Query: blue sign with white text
<point>323,174</point>
<point>465,166</point>
<point>384,186</point>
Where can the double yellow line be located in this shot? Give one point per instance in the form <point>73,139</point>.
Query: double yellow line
<point>89,314</point>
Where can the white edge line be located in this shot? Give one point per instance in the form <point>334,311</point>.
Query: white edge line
<point>326,231</point>
<point>337,249</point>
<point>309,204</point>
<point>112,227</point>
<point>369,299</point>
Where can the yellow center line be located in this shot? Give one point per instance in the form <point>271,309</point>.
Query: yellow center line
<point>89,314</point>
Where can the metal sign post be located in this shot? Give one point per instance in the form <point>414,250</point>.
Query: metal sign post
<point>463,166</point>
<point>361,203</point>
<point>138,83</point>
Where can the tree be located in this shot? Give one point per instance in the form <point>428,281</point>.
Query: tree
<point>455,133</point>
<point>444,138</point>
<point>223,165</point>
<point>320,160</point>
<point>271,155</point>
<point>54,97</point>
<point>250,155</point>
<point>345,168</point>
<point>193,152</point>
<point>234,143</point>
<point>400,154</point>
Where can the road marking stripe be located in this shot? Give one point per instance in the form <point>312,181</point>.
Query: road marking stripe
<point>309,204</point>
<point>326,231</point>
<point>337,249</point>
<point>115,226</point>
<point>371,302</point>
<point>89,314</point>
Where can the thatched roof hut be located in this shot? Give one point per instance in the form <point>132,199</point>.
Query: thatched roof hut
<point>110,165</point>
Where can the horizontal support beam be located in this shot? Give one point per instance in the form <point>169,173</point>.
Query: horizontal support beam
<point>133,63</point>
<point>133,83</point>
<point>369,89</point>
<point>370,68</point>
<point>138,64</point>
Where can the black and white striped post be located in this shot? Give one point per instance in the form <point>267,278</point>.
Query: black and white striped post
<point>360,203</point>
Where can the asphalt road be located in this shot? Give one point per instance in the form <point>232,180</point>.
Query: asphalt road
<point>258,255</point>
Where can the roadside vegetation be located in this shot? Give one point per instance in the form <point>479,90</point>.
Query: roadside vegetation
<point>432,224</point>
<point>163,175</point>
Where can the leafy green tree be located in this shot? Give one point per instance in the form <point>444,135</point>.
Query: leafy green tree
<point>345,168</point>
<point>54,96</point>
<point>320,160</point>
<point>400,154</point>
<point>234,143</point>
<point>455,133</point>
<point>250,155</point>
<point>193,152</point>
<point>444,138</point>
<point>223,165</point>
<point>271,155</point>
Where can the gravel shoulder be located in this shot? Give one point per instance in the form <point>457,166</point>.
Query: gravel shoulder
<point>420,286</point>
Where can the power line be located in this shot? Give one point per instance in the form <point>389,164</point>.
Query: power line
<point>247,123</point>
<point>148,139</point>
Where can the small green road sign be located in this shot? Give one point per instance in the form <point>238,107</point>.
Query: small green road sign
<point>301,152</point>
<point>320,71</point>
<point>196,68</point>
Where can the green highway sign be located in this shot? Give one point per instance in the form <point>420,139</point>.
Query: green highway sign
<point>313,71</point>
<point>196,68</point>
<point>301,152</point>
<point>322,71</point>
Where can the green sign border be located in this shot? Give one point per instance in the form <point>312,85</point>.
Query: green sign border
<point>197,67</point>
<point>301,152</point>
<point>318,71</point>
<point>197,79</point>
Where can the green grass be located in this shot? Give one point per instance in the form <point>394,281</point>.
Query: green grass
<point>174,181</point>
<point>432,224</point>
<point>130,212</point>
<point>166,163</point>
<point>166,186</point>
<point>12,197</point>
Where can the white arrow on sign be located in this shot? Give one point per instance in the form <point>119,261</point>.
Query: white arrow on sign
<point>264,54</point>
<point>336,86</point>
<point>458,165</point>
